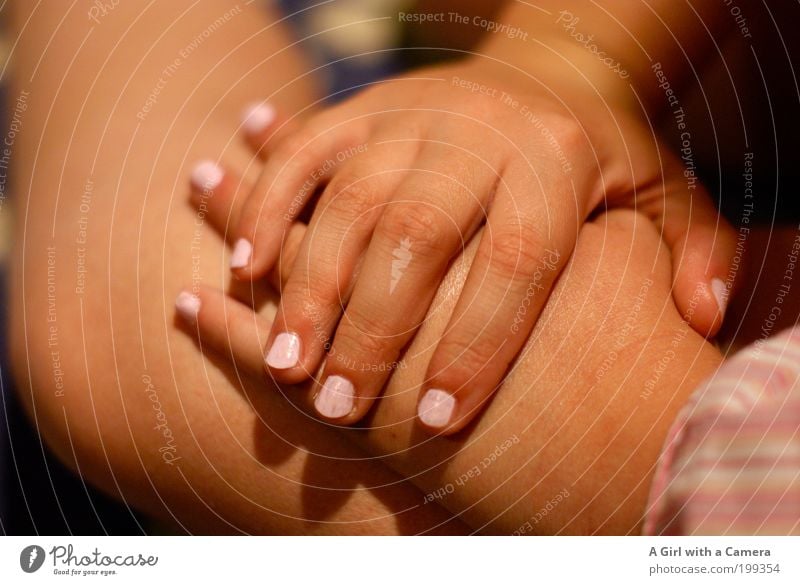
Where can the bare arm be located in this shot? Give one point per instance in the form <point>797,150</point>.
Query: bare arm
<point>117,112</point>
<point>608,47</point>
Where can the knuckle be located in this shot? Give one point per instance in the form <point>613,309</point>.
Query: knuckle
<point>286,169</point>
<point>368,320</point>
<point>462,359</point>
<point>568,132</point>
<point>310,295</point>
<point>514,252</point>
<point>295,144</point>
<point>425,226</point>
<point>362,335</point>
<point>349,196</point>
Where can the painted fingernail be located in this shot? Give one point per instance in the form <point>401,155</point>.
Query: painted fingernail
<point>207,175</point>
<point>257,117</point>
<point>720,293</point>
<point>187,305</point>
<point>336,398</point>
<point>436,408</point>
<point>285,351</point>
<point>241,253</point>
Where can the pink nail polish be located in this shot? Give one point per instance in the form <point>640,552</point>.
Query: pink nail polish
<point>207,175</point>
<point>187,305</point>
<point>436,408</point>
<point>257,117</point>
<point>336,399</point>
<point>720,293</point>
<point>285,351</point>
<point>241,253</point>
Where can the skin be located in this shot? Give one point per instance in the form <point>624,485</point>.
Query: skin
<point>250,460</point>
<point>423,161</point>
<point>246,463</point>
<point>603,427</point>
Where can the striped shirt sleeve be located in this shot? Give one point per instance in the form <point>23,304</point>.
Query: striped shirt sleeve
<point>731,461</point>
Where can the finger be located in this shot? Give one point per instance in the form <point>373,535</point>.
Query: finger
<point>521,253</point>
<point>290,250</point>
<point>318,288</point>
<point>703,249</point>
<point>263,126</point>
<point>218,195</point>
<point>225,325</point>
<point>291,175</point>
<point>232,329</point>
<point>430,216</point>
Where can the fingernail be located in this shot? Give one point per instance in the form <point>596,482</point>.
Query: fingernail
<point>257,117</point>
<point>241,253</point>
<point>285,351</point>
<point>336,398</point>
<point>720,293</point>
<point>187,305</point>
<point>436,408</point>
<point>207,175</point>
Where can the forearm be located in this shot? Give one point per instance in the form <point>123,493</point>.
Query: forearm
<point>610,47</point>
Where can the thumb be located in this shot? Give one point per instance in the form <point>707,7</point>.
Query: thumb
<point>704,258</point>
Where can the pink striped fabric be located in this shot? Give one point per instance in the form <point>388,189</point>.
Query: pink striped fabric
<point>731,461</point>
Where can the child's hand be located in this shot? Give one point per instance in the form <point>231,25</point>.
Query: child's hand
<point>411,168</point>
